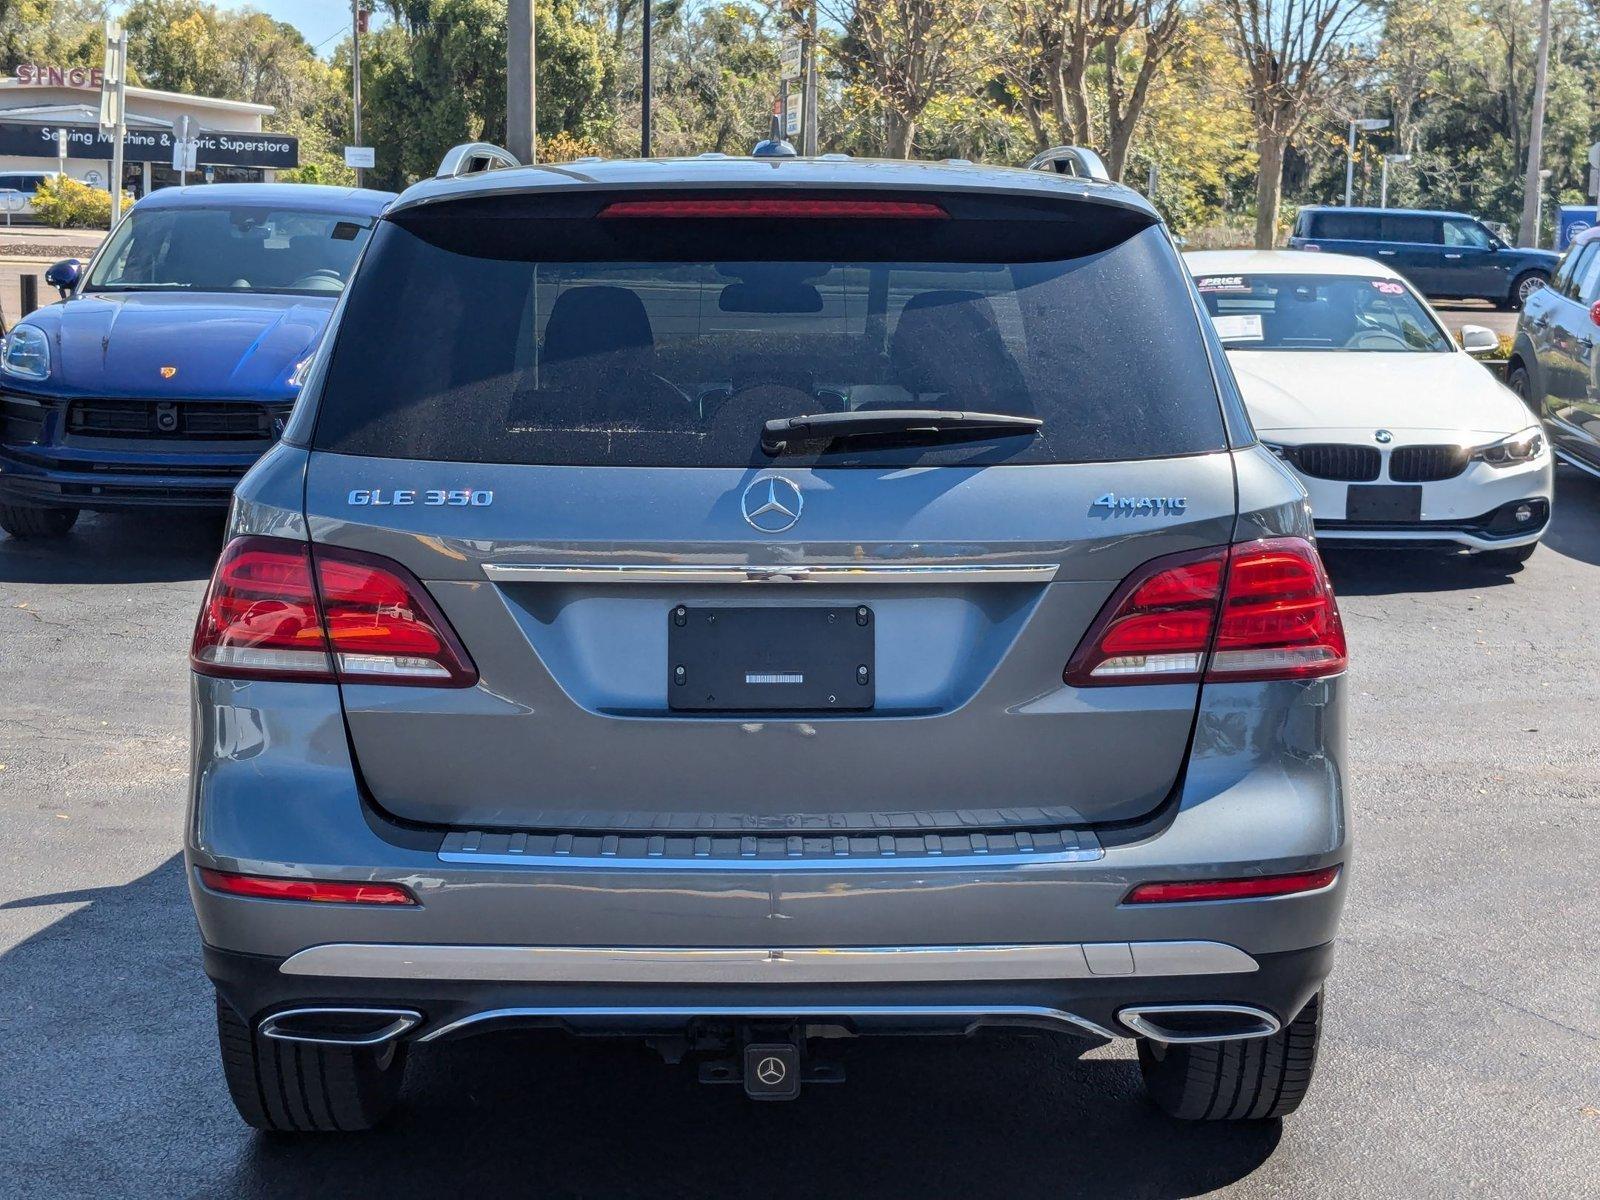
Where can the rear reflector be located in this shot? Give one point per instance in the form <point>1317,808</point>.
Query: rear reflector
<point>269,614</point>
<point>1260,610</point>
<point>776,207</point>
<point>1233,889</point>
<point>325,891</point>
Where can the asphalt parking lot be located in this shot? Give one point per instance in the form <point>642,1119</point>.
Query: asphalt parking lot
<point>1462,1055</point>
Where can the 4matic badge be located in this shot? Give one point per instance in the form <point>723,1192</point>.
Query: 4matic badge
<point>1113,504</point>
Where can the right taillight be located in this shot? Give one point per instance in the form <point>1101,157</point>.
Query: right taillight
<point>283,609</point>
<point>1260,610</point>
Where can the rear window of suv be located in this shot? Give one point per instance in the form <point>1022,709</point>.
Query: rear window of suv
<point>512,330</point>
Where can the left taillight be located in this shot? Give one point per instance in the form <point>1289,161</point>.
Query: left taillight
<point>281,609</point>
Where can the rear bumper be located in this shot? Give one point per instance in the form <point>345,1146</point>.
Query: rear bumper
<point>1087,1005</point>
<point>275,793</point>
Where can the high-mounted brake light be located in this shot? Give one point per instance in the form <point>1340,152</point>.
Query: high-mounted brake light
<point>282,609</point>
<point>775,207</point>
<point>1260,610</point>
<point>325,891</point>
<point>1233,889</point>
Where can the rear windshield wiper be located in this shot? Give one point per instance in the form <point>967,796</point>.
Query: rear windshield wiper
<point>923,422</point>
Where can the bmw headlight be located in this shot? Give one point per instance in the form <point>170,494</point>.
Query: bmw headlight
<point>25,353</point>
<point>1513,451</point>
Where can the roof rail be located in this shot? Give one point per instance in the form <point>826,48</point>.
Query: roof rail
<point>1071,160</point>
<point>472,157</point>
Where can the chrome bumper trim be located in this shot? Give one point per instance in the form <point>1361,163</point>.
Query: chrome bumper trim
<point>786,965</point>
<point>872,573</point>
<point>968,1016</point>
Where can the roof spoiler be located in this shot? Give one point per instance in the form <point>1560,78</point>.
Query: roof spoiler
<point>1071,160</point>
<point>471,157</point>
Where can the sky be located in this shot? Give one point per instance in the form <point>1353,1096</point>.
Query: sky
<point>323,22</point>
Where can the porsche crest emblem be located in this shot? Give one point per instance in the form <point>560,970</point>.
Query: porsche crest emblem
<point>168,372</point>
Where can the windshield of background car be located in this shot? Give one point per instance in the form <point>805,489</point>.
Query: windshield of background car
<point>584,338</point>
<point>234,249</point>
<point>1319,312</point>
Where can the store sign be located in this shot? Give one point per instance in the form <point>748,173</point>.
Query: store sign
<point>222,148</point>
<point>41,75</point>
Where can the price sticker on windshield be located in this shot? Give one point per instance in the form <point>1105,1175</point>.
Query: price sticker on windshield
<point>1238,327</point>
<point>1388,287</point>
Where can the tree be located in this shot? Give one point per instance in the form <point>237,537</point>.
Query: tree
<point>1081,70</point>
<point>1296,55</point>
<point>901,55</point>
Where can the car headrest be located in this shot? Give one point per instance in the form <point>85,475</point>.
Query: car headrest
<point>596,330</point>
<point>947,342</point>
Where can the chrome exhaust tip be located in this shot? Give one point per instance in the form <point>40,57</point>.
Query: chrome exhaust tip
<point>1180,1023</point>
<point>339,1026</point>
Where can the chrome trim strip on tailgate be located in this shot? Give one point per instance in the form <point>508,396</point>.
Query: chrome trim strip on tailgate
<point>747,965</point>
<point>970,1015</point>
<point>635,573</point>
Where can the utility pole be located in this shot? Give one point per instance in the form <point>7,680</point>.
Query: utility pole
<point>1383,188</point>
<point>356,22</point>
<point>808,98</point>
<point>1531,188</point>
<point>644,111</point>
<point>521,114</point>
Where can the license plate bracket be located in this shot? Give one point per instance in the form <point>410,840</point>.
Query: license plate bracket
<point>1383,502</point>
<point>770,659</point>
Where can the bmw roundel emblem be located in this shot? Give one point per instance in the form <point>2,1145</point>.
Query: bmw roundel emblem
<point>772,504</point>
<point>1383,437</point>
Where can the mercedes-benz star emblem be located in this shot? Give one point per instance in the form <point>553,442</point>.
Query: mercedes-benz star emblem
<point>771,1071</point>
<point>1383,437</point>
<point>772,504</point>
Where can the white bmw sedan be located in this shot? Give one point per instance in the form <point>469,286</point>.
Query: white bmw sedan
<point>1396,432</point>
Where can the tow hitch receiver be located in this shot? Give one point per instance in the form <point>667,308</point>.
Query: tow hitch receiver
<point>772,1070</point>
<point>771,1063</point>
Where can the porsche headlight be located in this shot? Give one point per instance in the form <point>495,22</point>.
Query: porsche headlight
<point>1513,451</point>
<point>25,353</point>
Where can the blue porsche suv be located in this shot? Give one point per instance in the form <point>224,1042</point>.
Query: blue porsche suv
<point>176,356</point>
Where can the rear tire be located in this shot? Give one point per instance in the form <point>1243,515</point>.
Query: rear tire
<point>29,521</point>
<point>291,1087</point>
<point>1255,1080</point>
<point>1522,287</point>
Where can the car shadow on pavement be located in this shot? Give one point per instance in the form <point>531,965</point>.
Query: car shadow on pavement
<point>159,546</point>
<point>1379,572</point>
<point>110,1084</point>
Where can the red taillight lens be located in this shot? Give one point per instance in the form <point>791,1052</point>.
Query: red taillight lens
<point>326,891</point>
<point>775,208</point>
<point>1279,619</point>
<point>1262,610</point>
<point>1157,625</point>
<point>263,618</point>
<point>1233,889</point>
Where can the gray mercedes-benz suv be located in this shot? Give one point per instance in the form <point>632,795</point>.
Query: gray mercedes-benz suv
<point>735,600</point>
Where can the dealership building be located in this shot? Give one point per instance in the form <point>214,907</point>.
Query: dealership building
<point>45,110</point>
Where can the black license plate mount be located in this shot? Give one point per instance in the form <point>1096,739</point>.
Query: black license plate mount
<point>771,659</point>
<point>1383,502</point>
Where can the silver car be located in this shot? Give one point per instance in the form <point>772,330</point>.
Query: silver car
<point>732,601</point>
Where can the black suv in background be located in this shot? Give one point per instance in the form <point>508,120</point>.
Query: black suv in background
<point>1555,362</point>
<point>1445,255</point>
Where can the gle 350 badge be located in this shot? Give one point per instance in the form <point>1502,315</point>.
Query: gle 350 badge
<point>401,497</point>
